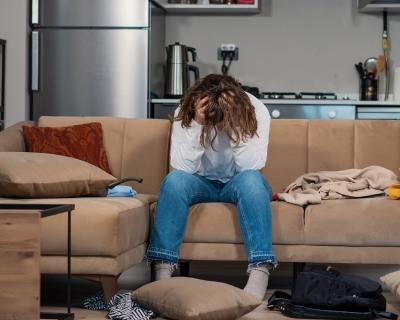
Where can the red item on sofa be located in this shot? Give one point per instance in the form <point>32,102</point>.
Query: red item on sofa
<point>83,142</point>
<point>245,1</point>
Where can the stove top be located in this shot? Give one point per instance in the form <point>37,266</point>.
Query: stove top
<point>301,95</point>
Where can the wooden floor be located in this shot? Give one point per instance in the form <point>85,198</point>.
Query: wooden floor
<point>53,291</point>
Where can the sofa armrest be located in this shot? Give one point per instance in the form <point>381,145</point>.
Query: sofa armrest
<point>12,138</point>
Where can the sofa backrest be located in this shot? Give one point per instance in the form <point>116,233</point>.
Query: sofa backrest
<point>297,147</point>
<point>140,147</point>
<point>135,147</point>
<point>12,139</point>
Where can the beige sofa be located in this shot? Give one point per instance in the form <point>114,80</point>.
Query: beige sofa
<point>109,235</point>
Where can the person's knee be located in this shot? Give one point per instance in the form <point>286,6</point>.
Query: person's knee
<point>251,177</point>
<point>177,179</point>
<point>252,180</point>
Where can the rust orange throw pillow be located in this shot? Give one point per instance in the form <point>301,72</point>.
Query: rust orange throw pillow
<point>83,142</point>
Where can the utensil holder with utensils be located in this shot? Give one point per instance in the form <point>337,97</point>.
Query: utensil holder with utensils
<point>368,89</point>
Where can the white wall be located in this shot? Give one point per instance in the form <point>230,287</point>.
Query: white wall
<point>292,45</point>
<point>14,29</point>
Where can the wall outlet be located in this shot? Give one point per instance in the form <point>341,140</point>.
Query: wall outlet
<point>228,47</point>
<point>235,55</point>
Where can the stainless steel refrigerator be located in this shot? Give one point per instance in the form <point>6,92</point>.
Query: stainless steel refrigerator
<point>90,58</point>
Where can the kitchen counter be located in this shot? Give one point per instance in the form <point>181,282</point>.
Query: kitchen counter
<point>305,101</point>
<point>309,108</point>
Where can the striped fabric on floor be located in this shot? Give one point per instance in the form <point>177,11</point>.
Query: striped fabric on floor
<point>120,307</point>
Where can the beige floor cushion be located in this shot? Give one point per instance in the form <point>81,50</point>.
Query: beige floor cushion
<point>194,299</point>
<point>392,282</point>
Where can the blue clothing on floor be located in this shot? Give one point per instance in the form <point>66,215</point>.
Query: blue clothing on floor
<point>121,191</point>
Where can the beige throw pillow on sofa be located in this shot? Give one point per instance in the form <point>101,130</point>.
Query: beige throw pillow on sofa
<point>186,298</point>
<point>392,282</point>
<point>40,175</point>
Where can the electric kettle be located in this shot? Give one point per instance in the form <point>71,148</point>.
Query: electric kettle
<point>177,77</point>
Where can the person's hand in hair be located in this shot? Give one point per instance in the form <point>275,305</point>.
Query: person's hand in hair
<point>199,112</point>
<point>218,102</point>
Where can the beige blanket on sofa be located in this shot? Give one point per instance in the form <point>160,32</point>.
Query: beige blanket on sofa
<point>311,188</point>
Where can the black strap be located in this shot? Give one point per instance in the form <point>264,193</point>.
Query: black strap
<point>295,311</point>
<point>274,303</point>
<point>385,314</point>
<point>282,301</point>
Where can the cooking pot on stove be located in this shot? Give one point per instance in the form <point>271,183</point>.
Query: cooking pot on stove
<point>177,78</point>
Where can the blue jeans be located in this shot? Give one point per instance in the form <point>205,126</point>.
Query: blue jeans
<point>249,190</point>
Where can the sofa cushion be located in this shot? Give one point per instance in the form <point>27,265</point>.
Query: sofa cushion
<point>369,222</point>
<point>189,298</point>
<point>135,147</point>
<point>392,282</point>
<point>287,228</point>
<point>100,226</point>
<point>36,175</point>
<point>83,142</point>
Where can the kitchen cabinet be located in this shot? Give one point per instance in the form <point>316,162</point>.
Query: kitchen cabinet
<point>378,5</point>
<point>378,113</point>
<point>209,8</point>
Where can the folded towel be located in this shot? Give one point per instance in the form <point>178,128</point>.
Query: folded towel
<point>121,191</point>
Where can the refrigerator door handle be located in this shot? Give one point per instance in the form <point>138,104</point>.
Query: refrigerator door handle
<point>35,61</point>
<point>35,12</point>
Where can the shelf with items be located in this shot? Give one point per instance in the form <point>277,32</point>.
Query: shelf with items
<point>378,5</point>
<point>208,8</point>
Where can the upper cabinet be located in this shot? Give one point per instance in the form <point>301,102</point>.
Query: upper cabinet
<point>378,5</point>
<point>208,8</point>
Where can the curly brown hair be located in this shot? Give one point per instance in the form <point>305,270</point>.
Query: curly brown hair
<point>227,105</point>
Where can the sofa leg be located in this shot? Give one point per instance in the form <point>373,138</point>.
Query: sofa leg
<point>110,286</point>
<point>184,268</point>
<point>297,268</point>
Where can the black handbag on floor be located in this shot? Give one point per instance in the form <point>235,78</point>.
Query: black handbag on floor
<point>323,293</point>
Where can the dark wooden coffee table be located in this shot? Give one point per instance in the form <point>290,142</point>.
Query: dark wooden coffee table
<point>20,230</point>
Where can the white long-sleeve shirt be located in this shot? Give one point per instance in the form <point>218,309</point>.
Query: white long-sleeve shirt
<point>189,155</point>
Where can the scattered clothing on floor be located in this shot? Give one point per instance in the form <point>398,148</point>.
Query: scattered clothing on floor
<point>121,191</point>
<point>120,307</point>
<point>97,302</point>
<point>311,188</point>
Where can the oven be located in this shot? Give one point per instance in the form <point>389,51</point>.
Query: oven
<point>307,105</point>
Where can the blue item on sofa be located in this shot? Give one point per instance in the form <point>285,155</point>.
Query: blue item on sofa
<point>121,191</point>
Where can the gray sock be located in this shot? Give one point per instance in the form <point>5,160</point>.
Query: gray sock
<point>258,280</point>
<point>163,269</point>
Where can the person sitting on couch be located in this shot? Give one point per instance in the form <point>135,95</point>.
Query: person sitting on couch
<point>219,142</point>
